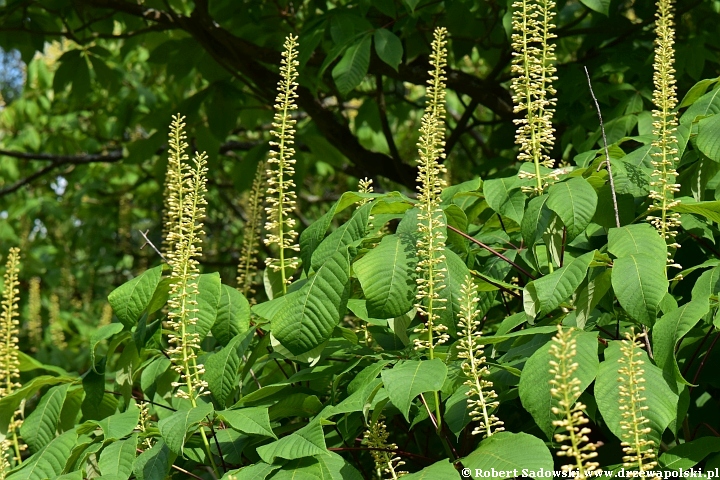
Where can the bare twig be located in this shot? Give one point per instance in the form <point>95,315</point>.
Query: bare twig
<point>118,394</point>
<point>493,251</point>
<point>148,242</point>
<point>607,154</point>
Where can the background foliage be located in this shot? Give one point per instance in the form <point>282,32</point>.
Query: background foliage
<point>83,160</point>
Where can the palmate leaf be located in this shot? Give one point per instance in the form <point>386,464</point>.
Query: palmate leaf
<point>669,330</point>
<point>208,300</point>
<point>505,197</point>
<point>344,235</point>
<point>442,470</point>
<point>689,454</point>
<point>640,285</point>
<point>48,462</point>
<point>388,47</point>
<point>39,427</point>
<point>250,420</point>
<point>118,458</point>
<point>534,387</point>
<point>121,424</point>
<point>233,315</point>
<point>536,220</point>
<point>309,319</point>
<point>505,451</point>
<point>306,442</point>
<point>221,370</point>
<point>408,379</point>
<point>154,464</point>
<point>311,237</point>
<point>455,273</point>
<point>545,294</point>
<point>709,210</point>
<point>176,428</point>
<point>574,201</point>
<point>257,471</point>
<point>353,66</point>
<point>132,298</point>
<point>659,397</point>
<point>633,239</point>
<point>387,276</point>
<point>325,467</point>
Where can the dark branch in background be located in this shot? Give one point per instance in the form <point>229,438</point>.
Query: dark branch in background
<point>461,126</point>
<point>387,131</point>
<point>56,162</point>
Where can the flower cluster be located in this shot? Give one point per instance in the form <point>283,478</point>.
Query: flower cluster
<point>251,236</point>
<point>386,462</point>
<point>565,390</point>
<point>174,178</point>
<point>638,449</point>
<point>533,93</point>
<point>9,363</point>
<point>663,186</point>
<point>34,321</point>
<point>431,225</point>
<point>280,193</point>
<point>57,333</point>
<point>482,399</point>
<point>186,206</point>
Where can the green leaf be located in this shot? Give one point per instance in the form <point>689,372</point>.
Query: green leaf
<point>311,237</point>
<point>131,299</point>
<point>48,462</point>
<point>258,471</point>
<point>659,397</point>
<point>221,371</point>
<point>708,104</point>
<point>408,379</point>
<point>151,374</point>
<point>306,442</point>
<point>233,315</point>
<point>310,317</point>
<point>348,233</point>
<point>39,427</point>
<point>545,294</point>
<point>102,333</point>
<point>121,424</point>
<point>640,285</point>
<point>154,464</point>
<point>506,452</point>
<point>250,420</point>
<point>670,329</point>
<point>574,201</point>
<point>600,6</point>
<point>176,428</point>
<point>353,66</point>
<point>325,467</point>
<point>118,458</point>
<point>10,403</point>
<point>536,220</point>
<point>709,210</point>
<point>388,47</point>
<point>387,276</point>
<point>505,197</point>
<point>633,239</point>
<point>442,470</point>
<point>411,4</point>
<point>455,273</point>
<point>208,301</point>
<point>689,454</point>
<point>534,387</point>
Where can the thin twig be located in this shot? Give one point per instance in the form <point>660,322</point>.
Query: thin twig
<point>442,435</point>
<point>491,282</point>
<point>399,452</point>
<point>696,352</point>
<point>607,152</point>
<point>217,444</point>
<point>141,400</point>
<point>493,251</point>
<point>646,340</point>
<point>148,242</point>
<point>702,363</point>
